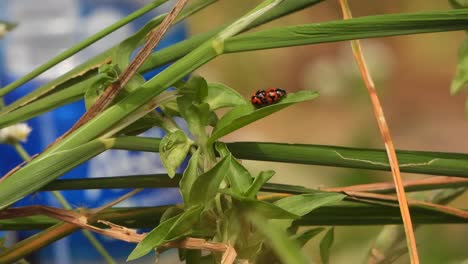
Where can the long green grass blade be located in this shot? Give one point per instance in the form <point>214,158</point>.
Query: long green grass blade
<point>356,28</point>
<point>121,182</point>
<point>71,94</point>
<point>436,163</point>
<point>350,213</point>
<point>46,168</point>
<point>343,213</point>
<point>164,181</point>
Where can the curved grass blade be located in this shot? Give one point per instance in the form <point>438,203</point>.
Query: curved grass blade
<point>46,168</point>
<point>437,163</point>
<point>356,28</point>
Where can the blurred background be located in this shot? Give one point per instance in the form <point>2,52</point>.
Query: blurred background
<point>412,75</point>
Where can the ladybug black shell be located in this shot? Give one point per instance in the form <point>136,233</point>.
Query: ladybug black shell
<point>267,97</point>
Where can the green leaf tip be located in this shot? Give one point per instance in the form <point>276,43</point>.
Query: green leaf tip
<point>171,229</point>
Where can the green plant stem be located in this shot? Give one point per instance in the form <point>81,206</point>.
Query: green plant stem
<point>164,181</point>
<point>435,163</point>
<point>22,152</point>
<point>78,47</point>
<point>65,204</point>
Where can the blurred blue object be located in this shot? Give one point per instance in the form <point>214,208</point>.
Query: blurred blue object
<point>46,28</point>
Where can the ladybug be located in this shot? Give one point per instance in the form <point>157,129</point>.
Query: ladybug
<point>267,97</point>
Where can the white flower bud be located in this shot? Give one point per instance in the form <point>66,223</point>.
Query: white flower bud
<point>3,30</point>
<point>15,133</point>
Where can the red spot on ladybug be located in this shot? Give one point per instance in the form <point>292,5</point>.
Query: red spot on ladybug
<point>267,97</point>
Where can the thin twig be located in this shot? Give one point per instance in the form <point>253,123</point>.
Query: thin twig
<point>430,183</point>
<point>116,201</point>
<point>383,197</point>
<point>385,132</point>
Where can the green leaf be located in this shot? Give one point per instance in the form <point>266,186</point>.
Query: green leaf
<point>266,209</point>
<point>170,212</point>
<point>196,88</point>
<point>196,115</point>
<point>287,250</point>
<point>239,177</point>
<point>305,203</point>
<point>461,75</point>
<point>171,229</point>
<point>243,115</point>
<point>189,177</point>
<point>325,246</point>
<point>206,186</point>
<point>259,181</point>
<point>307,235</point>
<point>220,95</point>
<point>222,149</point>
<point>173,149</point>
